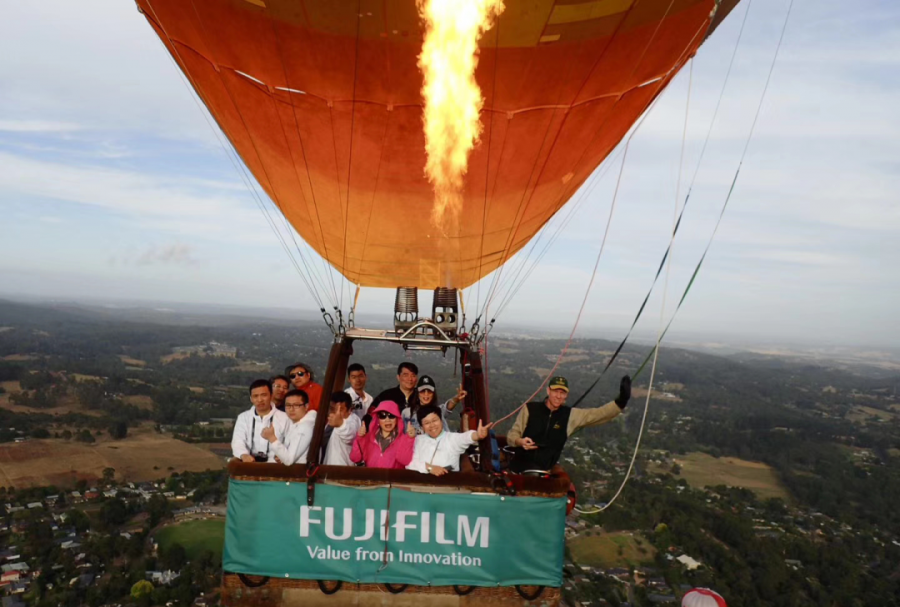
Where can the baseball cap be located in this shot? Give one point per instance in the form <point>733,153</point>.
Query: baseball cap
<point>425,383</point>
<point>558,383</point>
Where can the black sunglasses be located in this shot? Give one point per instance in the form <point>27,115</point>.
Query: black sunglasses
<point>386,415</point>
<point>297,374</point>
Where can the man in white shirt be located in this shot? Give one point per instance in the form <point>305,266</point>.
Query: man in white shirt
<point>293,447</point>
<point>360,399</point>
<point>247,442</point>
<point>345,426</point>
<point>437,451</point>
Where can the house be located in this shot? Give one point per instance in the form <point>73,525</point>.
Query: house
<point>657,583</point>
<point>162,577</point>
<point>619,573</point>
<point>34,505</point>
<point>21,567</point>
<point>689,563</point>
<point>8,577</point>
<point>20,587</point>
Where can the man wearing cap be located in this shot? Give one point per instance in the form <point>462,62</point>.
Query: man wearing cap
<point>542,428</point>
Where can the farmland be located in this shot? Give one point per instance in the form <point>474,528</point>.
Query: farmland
<point>62,462</point>
<point>702,470</point>
<point>195,536</point>
<point>621,548</point>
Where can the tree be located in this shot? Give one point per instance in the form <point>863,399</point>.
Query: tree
<point>113,512</point>
<point>78,519</point>
<point>85,436</point>
<point>40,433</point>
<point>118,430</point>
<point>67,434</point>
<point>141,589</point>
<point>175,557</point>
<point>109,474</point>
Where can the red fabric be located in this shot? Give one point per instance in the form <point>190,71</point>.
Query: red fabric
<point>366,448</point>
<point>343,155</point>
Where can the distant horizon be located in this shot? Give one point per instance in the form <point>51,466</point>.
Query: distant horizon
<point>709,342</point>
<point>121,187</point>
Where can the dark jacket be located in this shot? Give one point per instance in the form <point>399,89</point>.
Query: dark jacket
<point>550,430</point>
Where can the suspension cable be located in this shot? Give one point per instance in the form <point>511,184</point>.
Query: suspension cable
<point>654,353</point>
<point>231,154</point>
<point>587,293</point>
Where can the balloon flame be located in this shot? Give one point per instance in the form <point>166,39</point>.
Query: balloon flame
<point>453,100</point>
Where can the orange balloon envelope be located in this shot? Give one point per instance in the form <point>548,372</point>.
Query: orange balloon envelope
<point>322,100</point>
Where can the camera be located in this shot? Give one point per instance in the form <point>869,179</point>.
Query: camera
<point>260,457</point>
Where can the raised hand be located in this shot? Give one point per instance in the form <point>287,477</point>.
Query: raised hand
<point>483,430</point>
<point>268,433</point>
<point>362,430</point>
<point>410,431</point>
<point>624,392</point>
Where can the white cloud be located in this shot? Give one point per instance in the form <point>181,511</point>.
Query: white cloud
<point>177,253</point>
<point>168,203</point>
<point>37,126</point>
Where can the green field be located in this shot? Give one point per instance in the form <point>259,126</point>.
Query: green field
<point>195,536</point>
<point>611,549</point>
<point>702,470</point>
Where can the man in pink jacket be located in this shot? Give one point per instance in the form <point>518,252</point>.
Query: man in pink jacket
<point>385,444</point>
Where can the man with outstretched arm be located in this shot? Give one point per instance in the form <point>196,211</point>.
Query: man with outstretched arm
<point>293,447</point>
<point>542,428</point>
<point>247,442</point>
<point>437,451</point>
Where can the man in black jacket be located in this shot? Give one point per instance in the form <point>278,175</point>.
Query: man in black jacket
<point>542,428</point>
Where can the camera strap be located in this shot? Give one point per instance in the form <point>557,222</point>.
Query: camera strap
<point>253,438</point>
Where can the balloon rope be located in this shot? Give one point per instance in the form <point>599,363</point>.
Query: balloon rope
<point>587,292</point>
<point>231,154</point>
<point>655,351</point>
<point>662,262</point>
<point>662,309</point>
<point>517,224</point>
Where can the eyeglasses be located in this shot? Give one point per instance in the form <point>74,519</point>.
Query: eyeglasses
<point>294,406</point>
<point>297,374</point>
<point>386,415</point>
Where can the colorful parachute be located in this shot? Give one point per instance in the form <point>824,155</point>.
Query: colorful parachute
<point>322,100</point>
<point>702,597</point>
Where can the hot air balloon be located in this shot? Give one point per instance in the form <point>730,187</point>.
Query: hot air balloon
<point>702,597</point>
<point>323,101</point>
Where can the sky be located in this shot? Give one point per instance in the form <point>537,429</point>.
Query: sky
<point>114,185</point>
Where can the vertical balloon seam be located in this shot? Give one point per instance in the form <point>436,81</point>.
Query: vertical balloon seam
<point>661,86</point>
<point>517,225</point>
<point>513,229</point>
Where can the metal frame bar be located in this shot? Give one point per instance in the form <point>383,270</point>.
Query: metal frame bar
<point>339,358</point>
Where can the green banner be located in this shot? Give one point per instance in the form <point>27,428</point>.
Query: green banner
<point>393,535</point>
